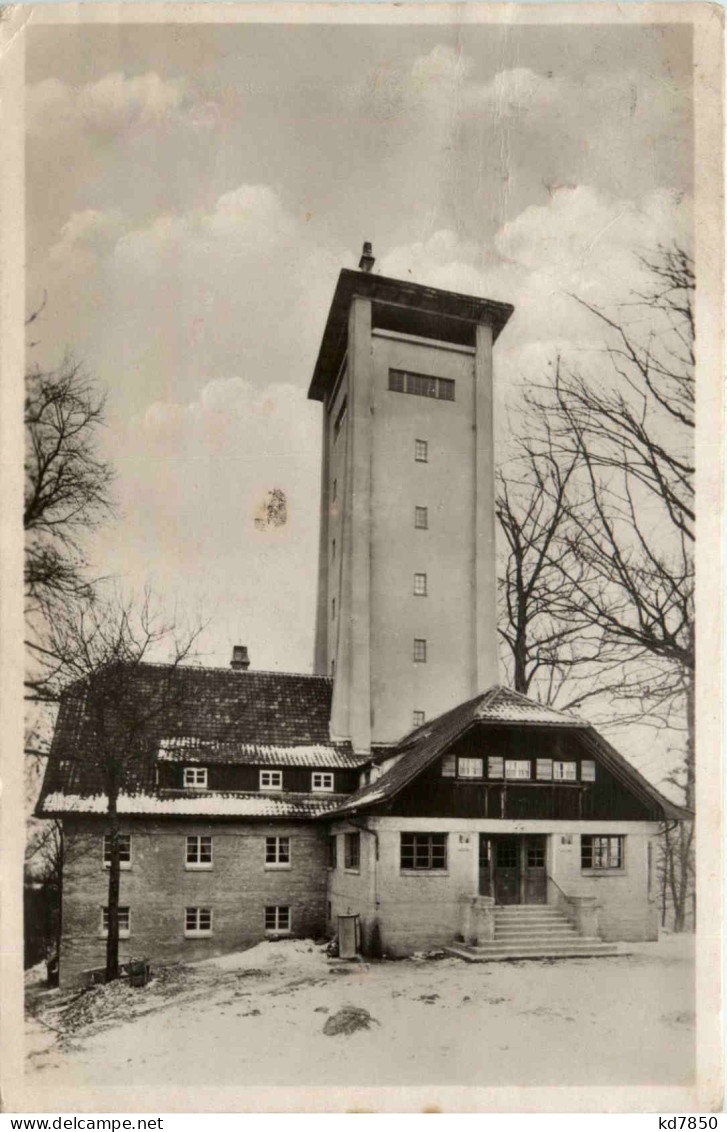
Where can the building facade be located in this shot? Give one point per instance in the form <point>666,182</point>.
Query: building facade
<point>400,782</point>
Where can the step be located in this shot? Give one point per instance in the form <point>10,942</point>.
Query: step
<point>526,910</point>
<point>553,951</point>
<point>555,935</point>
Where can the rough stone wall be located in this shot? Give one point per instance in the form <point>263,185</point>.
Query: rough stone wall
<point>159,887</point>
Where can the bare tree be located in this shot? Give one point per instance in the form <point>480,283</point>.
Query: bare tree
<point>623,433</point>
<point>103,650</point>
<point>67,494</point>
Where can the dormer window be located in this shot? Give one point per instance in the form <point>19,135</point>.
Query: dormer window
<point>271,780</point>
<point>195,777</point>
<point>322,782</point>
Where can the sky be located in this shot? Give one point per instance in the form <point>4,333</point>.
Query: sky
<point>194,190</point>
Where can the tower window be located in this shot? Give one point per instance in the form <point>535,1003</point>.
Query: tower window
<point>421,518</point>
<point>421,385</point>
<point>333,609</point>
<point>417,718</point>
<point>334,490</point>
<point>421,452</point>
<point>420,650</point>
<point>420,585</point>
<point>333,551</point>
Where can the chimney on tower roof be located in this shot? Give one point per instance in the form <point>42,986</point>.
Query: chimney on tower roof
<point>240,660</point>
<point>367,260</point>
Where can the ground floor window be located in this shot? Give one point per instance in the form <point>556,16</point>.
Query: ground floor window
<point>124,922</point>
<point>353,850</point>
<point>424,851</point>
<point>198,921</point>
<point>602,852</point>
<point>277,918</point>
<point>277,851</point>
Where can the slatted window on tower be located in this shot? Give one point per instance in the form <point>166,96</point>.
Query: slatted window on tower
<point>421,385</point>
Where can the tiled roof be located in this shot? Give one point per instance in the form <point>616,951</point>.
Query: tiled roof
<point>260,754</point>
<point>159,703</point>
<point>195,804</point>
<point>426,743</point>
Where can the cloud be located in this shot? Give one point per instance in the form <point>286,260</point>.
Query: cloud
<point>92,232</point>
<point>114,104</point>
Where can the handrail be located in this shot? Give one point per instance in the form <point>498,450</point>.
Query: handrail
<point>560,890</point>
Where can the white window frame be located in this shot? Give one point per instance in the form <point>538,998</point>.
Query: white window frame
<point>470,767</point>
<point>590,774</point>
<point>106,851</point>
<point>198,864</point>
<point>124,933</point>
<point>198,932</point>
<point>495,766</point>
<point>346,844</point>
<point>276,862</point>
<point>544,770</point>
<point>421,451</point>
<point>322,782</point>
<point>608,869</point>
<point>275,780</point>
<point>420,585</point>
<point>559,770</point>
<point>195,778</point>
<point>449,766</point>
<point>277,930</point>
<point>514,770</point>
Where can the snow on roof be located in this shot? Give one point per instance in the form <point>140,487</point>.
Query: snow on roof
<point>510,707</point>
<point>200,804</point>
<point>190,748</point>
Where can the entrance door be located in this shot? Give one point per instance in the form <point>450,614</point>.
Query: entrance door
<point>507,870</point>
<point>535,877</point>
<point>518,870</point>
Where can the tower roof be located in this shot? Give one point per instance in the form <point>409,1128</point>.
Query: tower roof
<point>407,307</point>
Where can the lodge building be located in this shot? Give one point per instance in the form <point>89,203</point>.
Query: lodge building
<point>400,782</point>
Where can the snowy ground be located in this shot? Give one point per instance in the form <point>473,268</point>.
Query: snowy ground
<point>257,1017</point>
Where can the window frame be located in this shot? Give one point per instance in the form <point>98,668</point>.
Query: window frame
<point>198,932</point>
<point>420,587</point>
<point>277,909</point>
<point>607,869</point>
<point>448,766</point>
<point>469,759</point>
<point>421,385</point>
<point>349,864</point>
<point>198,864</point>
<point>124,864</point>
<point>419,718</point>
<point>195,772</point>
<point>591,775</point>
<point>421,513</point>
<point>328,775</point>
<point>419,650</point>
<point>278,785</point>
<point>124,933</point>
<point>423,845</point>
<point>516,777</point>
<point>421,451</point>
<point>275,859</point>
<point>559,776</point>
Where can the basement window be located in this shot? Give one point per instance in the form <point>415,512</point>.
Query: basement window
<point>197,922</point>
<point>424,852</point>
<point>322,782</point>
<point>199,853</point>
<point>277,918</point>
<point>124,922</point>
<point>271,780</point>
<point>124,851</point>
<point>602,852</point>
<point>195,777</point>
<point>277,852</point>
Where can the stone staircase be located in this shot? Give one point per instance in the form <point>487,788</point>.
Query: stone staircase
<point>531,931</point>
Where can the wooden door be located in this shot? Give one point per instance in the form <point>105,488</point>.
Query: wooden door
<point>534,871</point>
<point>507,870</point>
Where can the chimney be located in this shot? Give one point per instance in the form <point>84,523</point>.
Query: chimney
<point>367,260</point>
<point>240,660</point>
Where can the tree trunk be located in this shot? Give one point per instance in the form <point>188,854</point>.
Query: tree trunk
<point>112,940</point>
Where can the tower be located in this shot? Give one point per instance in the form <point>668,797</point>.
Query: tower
<point>406,615</point>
